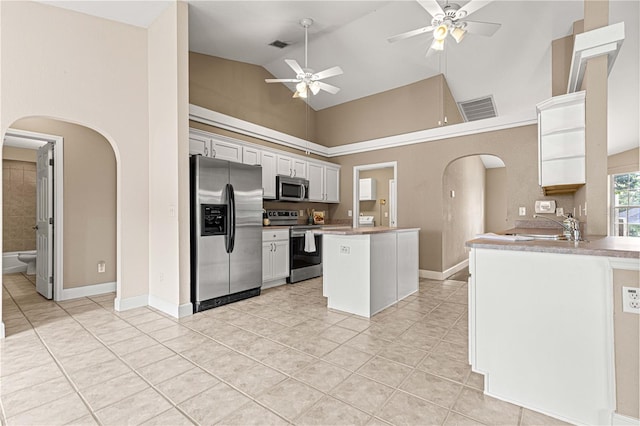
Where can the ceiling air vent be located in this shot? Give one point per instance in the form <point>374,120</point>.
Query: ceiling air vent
<point>279,44</point>
<point>478,109</point>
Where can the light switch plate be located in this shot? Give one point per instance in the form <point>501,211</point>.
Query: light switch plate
<point>522,211</point>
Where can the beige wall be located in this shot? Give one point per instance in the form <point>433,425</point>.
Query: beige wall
<point>409,108</point>
<point>627,344</point>
<point>93,72</point>
<point>373,207</point>
<point>239,90</point>
<point>463,213</point>
<point>420,180</point>
<point>19,154</point>
<point>495,205</point>
<point>89,201</point>
<point>624,162</point>
<point>18,203</point>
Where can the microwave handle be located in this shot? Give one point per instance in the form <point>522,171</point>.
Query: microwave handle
<point>304,192</point>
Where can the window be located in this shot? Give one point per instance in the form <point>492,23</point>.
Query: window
<point>625,203</point>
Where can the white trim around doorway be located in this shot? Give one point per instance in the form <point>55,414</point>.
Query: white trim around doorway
<point>16,137</point>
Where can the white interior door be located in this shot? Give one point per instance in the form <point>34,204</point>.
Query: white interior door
<point>44,221</point>
<point>393,210</point>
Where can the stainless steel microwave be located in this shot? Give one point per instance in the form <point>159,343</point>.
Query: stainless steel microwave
<point>291,188</point>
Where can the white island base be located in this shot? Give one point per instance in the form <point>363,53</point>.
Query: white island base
<point>368,270</point>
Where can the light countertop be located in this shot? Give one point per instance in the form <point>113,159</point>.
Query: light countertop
<point>594,245</point>
<point>365,230</point>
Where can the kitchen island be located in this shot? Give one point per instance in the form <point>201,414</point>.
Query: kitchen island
<point>542,325</point>
<point>368,269</point>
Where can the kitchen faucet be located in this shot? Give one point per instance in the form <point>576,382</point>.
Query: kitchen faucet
<point>572,229</point>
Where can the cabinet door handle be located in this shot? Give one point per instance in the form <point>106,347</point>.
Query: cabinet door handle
<point>213,152</point>
<point>294,172</point>
<point>206,152</point>
<point>275,247</point>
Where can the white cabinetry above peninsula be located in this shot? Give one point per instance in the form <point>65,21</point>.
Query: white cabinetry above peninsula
<point>561,143</point>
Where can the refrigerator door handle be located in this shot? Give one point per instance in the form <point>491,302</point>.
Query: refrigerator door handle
<point>232,216</point>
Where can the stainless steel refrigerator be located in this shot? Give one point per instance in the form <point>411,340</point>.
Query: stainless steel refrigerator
<point>226,232</point>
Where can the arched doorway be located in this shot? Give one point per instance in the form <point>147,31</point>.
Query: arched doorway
<point>474,201</point>
<point>87,199</point>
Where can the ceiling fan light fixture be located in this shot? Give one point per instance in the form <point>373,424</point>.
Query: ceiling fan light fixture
<point>301,90</point>
<point>315,87</point>
<point>440,32</point>
<point>458,34</point>
<point>437,45</point>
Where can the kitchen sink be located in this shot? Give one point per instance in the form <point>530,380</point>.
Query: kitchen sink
<point>542,236</point>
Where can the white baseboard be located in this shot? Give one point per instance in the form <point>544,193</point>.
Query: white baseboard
<point>88,290</point>
<point>13,269</point>
<point>274,283</point>
<point>185,310</point>
<point>1,330</point>
<point>620,420</point>
<point>436,275</point>
<point>120,304</point>
<point>176,311</point>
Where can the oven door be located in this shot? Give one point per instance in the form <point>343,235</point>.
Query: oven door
<point>304,265</point>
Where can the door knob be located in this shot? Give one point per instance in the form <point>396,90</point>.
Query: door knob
<point>35,227</point>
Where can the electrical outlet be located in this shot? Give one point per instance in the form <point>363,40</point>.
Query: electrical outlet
<point>559,211</point>
<point>631,300</point>
<point>350,213</point>
<point>345,250</point>
<point>102,267</point>
<point>522,211</point>
<point>301,213</point>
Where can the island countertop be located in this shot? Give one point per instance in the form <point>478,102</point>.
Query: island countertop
<point>594,245</point>
<point>362,230</point>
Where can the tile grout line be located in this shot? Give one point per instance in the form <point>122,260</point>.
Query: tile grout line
<point>57,362</point>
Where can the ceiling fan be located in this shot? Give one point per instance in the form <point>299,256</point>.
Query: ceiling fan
<point>450,19</point>
<point>305,77</point>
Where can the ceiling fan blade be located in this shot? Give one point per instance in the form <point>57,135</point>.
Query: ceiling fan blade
<point>294,66</point>
<point>281,80</point>
<point>471,7</point>
<point>330,72</point>
<point>408,34</point>
<point>328,88</point>
<point>432,7</point>
<point>482,28</point>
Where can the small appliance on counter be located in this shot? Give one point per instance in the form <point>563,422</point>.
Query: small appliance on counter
<point>366,221</point>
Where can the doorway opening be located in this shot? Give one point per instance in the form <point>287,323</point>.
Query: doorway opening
<point>474,201</point>
<point>85,251</point>
<point>33,170</point>
<point>375,197</point>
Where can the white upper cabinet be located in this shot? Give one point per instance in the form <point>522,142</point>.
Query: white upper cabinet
<point>324,178</point>
<point>199,145</point>
<point>332,184</point>
<point>229,151</point>
<point>251,155</point>
<point>324,183</point>
<point>268,160</point>
<point>316,182</point>
<point>210,147</point>
<point>367,189</point>
<point>290,166</point>
<point>561,141</point>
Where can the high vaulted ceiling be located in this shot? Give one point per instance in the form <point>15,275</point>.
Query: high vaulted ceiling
<point>514,65</point>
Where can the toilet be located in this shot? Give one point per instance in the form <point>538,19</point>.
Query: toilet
<point>30,259</point>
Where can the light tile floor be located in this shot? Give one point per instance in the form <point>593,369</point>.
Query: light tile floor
<point>280,358</point>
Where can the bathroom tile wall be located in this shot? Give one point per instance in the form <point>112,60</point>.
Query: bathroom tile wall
<point>18,205</point>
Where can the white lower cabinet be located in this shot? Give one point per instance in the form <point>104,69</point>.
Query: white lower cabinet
<point>275,256</point>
